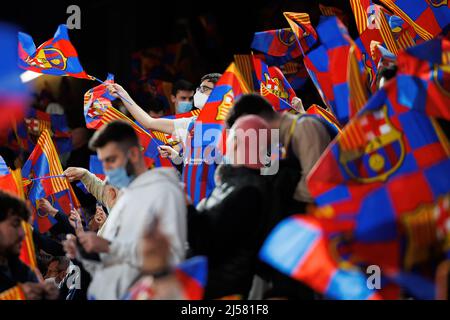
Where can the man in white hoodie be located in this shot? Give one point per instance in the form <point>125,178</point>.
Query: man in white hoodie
<point>113,259</point>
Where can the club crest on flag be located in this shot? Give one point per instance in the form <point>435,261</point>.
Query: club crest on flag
<point>286,37</point>
<point>438,3</point>
<point>48,58</point>
<point>383,153</point>
<point>225,106</point>
<point>274,86</point>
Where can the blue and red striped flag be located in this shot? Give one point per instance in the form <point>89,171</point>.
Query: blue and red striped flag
<point>56,56</point>
<point>202,149</point>
<point>387,172</point>
<point>272,85</point>
<point>372,26</point>
<point>345,69</point>
<point>192,275</point>
<point>98,111</point>
<point>424,76</point>
<point>14,96</point>
<point>277,46</point>
<point>300,248</point>
<point>428,18</point>
<point>95,167</point>
<point>43,178</point>
<point>303,30</point>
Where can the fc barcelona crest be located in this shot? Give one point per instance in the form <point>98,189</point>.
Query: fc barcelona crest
<point>383,153</point>
<point>48,58</point>
<point>286,37</point>
<point>438,3</point>
<point>274,86</point>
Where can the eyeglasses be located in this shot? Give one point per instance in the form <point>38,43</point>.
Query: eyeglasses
<point>204,89</point>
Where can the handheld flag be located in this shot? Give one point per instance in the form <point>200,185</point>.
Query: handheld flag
<point>98,111</point>
<point>428,18</point>
<point>56,56</point>
<point>299,248</point>
<point>273,85</point>
<point>278,46</point>
<point>303,30</point>
<point>13,93</point>
<point>43,178</point>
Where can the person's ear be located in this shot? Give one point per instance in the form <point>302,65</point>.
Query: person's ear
<point>173,98</point>
<point>135,154</point>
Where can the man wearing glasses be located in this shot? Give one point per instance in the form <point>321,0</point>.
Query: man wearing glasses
<point>176,127</point>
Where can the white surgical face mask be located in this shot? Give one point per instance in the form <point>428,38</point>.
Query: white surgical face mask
<point>200,99</point>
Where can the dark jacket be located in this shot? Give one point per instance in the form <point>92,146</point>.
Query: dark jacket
<point>15,272</point>
<point>229,227</point>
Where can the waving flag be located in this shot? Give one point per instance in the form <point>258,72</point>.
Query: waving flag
<point>13,94</point>
<point>273,86</point>
<point>201,150</point>
<point>44,165</point>
<point>372,25</point>
<point>299,248</point>
<point>95,167</point>
<point>56,56</point>
<point>345,68</point>
<point>278,46</point>
<point>325,115</point>
<point>424,76</point>
<point>98,111</point>
<point>192,275</point>
<point>316,63</point>
<point>7,181</point>
<point>390,167</point>
<point>303,30</point>
<point>428,18</point>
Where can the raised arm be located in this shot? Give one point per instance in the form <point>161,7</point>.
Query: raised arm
<point>162,125</point>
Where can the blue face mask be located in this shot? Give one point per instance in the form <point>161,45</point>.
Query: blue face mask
<point>184,106</point>
<point>119,177</point>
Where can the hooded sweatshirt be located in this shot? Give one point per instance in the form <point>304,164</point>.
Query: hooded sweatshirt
<point>156,192</point>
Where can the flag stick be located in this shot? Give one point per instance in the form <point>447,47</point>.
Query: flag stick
<point>102,82</point>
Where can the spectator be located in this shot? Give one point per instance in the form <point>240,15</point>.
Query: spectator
<point>13,272</point>
<point>145,195</point>
<point>182,96</point>
<point>229,226</point>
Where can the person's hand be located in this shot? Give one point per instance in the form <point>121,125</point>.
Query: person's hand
<point>297,105</point>
<point>75,220</point>
<point>155,249</point>
<point>100,216</point>
<point>167,152</point>
<point>74,173</point>
<point>32,291</point>
<point>50,292</point>
<point>45,206</point>
<point>70,246</point>
<point>93,243</point>
<point>117,91</point>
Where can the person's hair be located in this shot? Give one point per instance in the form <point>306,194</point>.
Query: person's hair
<point>117,131</point>
<point>182,85</point>
<point>213,77</point>
<point>251,104</point>
<point>12,206</point>
<point>63,262</point>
